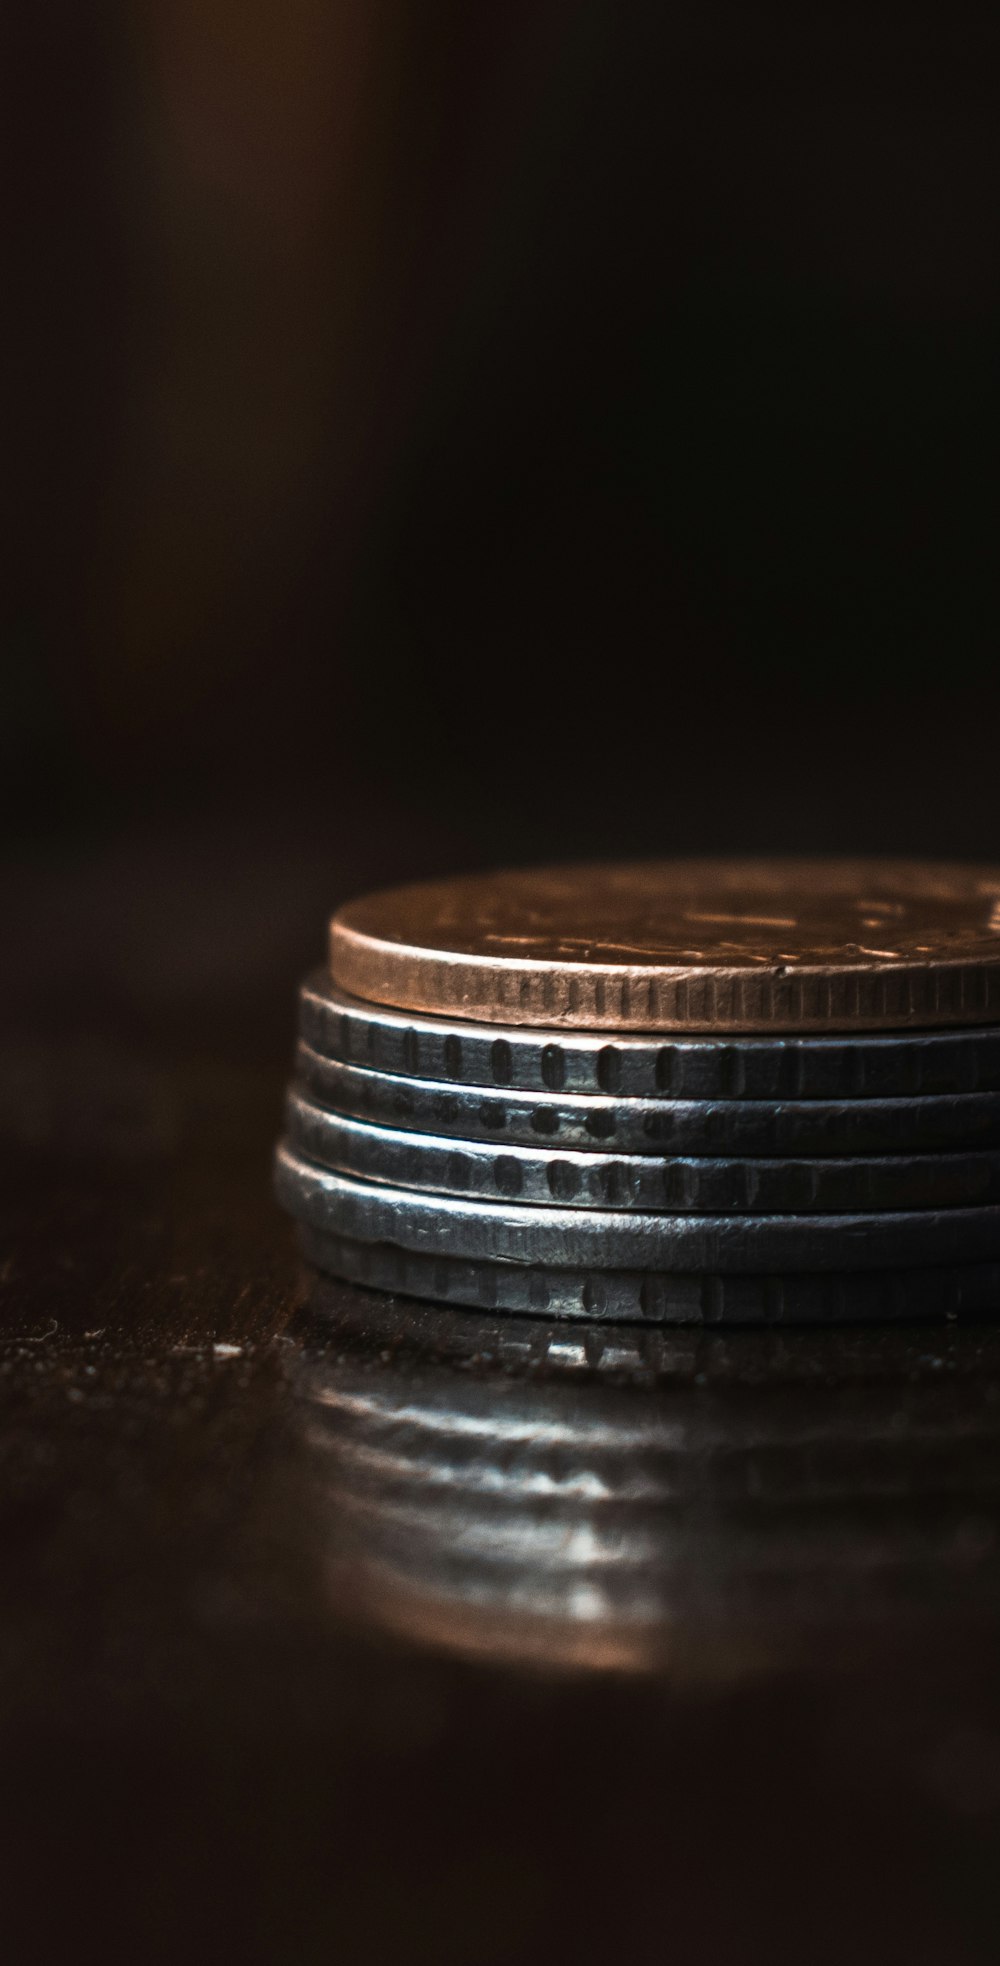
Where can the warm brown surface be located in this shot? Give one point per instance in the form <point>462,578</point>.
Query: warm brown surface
<point>686,945</point>
<point>334,1630</point>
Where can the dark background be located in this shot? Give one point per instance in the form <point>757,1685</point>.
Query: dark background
<point>445,435</point>
<point>549,428</point>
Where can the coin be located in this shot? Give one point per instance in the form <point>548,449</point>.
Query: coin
<point>338,1317</point>
<point>864,1066</point>
<point>877,1296</point>
<point>844,1184</point>
<point>686,945</point>
<point>564,1238</point>
<point>731,1127</point>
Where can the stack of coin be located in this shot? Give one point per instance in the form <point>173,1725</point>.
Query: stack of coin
<point>689,1091</point>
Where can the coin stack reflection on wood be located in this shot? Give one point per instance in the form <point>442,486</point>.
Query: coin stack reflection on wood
<point>692,1091</point>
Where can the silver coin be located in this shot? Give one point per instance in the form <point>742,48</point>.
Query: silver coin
<point>634,1296</point>
<point>729,1127</point>
<point>566,1238</point>
<point>866,1066</point>
<point>340,1313</point>
<point>639,1181</point>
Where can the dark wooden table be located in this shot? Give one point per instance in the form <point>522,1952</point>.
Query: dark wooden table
<point>336,1628</point>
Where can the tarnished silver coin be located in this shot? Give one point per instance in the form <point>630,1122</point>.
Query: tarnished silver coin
<point>635,1296</point>
<point>733,1128</point>
<point>845,1183</point>
<point>566,1238</point>
<point>865,1065</point>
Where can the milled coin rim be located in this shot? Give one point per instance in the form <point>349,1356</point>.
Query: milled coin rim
<point>605,1239</point>
<point>723,1065</point>
<point>612,997</point>
<point>639,1302</point>
<point>667,1184</point>
<point>772,1129</point>
<point>766,997</point>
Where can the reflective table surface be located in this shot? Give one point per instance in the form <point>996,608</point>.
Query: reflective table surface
<point>340,1626</point>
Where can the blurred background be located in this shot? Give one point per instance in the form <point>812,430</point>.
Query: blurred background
<point>448,436</point>
<point>441,435</point>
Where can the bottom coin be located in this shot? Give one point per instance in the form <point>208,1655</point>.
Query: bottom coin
<point>858,1296</point>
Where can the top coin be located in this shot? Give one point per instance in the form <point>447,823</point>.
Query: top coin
<point>686,945</point>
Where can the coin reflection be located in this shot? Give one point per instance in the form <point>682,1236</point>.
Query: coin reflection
<point>513,1491</point>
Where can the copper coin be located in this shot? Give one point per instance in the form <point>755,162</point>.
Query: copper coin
<point>686,945</point>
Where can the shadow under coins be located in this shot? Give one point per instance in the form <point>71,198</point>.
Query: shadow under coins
<point>701,1504</point>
